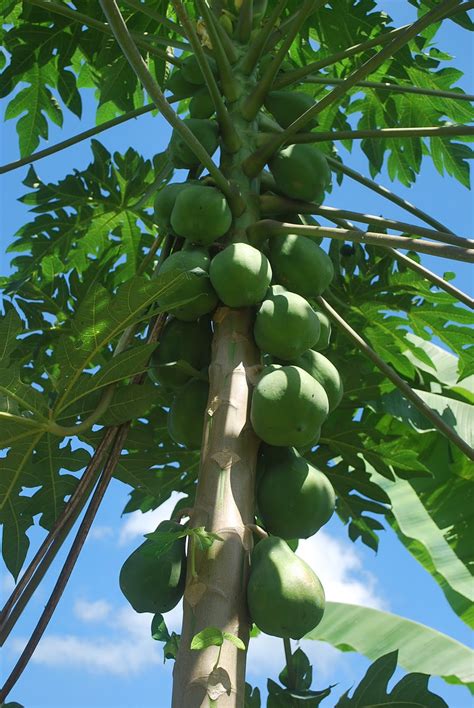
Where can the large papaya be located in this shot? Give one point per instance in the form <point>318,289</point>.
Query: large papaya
<point>188,342</point>
<point>240,275</point>
<point>286,324</point>
<point>300,264</point>
<point>164,202</point>
<point>196,295</point>
<point>179,87</point>
<point>201,214</point>
<point>201,105</point>
<point>186,415</point>
<point>294,498</point>
<point>284,595</point>
<point>287,106</point>
<point>325,372</point>
<point>206,131</point>
<point>288,406</point>
<point>155,583</point>
<point>301,172</point>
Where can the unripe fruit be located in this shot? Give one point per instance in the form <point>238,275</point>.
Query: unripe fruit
<point>201,215</point>
<point>301,172</point>
<point>324,371</point>
<point>201,105</point>
<point>300,264</point>
<point>196,294</point>
<point>186,415</point>
<point>240,275</point>
<point>189,342</point>
<point>287,106</point>
<point>206,131</point>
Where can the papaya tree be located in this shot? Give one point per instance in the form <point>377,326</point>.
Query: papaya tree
<point>224,333</point>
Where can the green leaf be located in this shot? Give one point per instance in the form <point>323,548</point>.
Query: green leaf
<point>233,639</point>
<point>410,692</point>
<point>129,402</point>
<point>159,630</point>
<point>252,697</point>
<point>374,633</point>
<point>208,637</point>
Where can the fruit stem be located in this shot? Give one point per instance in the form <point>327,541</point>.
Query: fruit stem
<point>229,135</point>
<point>254,102</point>
<point>256,48</point>
<point>226,74</point>
<point>290,667</point>
<point>245,21</point>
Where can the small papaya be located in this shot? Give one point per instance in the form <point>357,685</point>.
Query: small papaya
<point>286,325</point>
<point>294,498</point>
<point>301,172</point>
<point>186,415</point>
<point>206,131</point>
<point>201,105</point>
<point>284,595</point>
<point>164,203</point>
<point>201,215</point>
<point>300,264</point>
<point>240,275</point>
<point>287,106</point>
<point>324,371</point>
<point>325,332</point>
<point>189,342</point>
<point>288,405</point>
<point>179,87</point>
<point>155,583</point>
<point>196,295</point>
<point>192,71</point>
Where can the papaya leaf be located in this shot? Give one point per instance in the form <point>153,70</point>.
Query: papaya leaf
<point>208,637</point>
<point>159,630</point>
<point>171,647</point>
<point>411,691</point>
<point>375,632</point>
<point>252,697</point>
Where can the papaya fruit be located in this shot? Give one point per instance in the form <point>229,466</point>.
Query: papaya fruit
<point>186,415</point>
<point>294,498</point>
<point>284,595</point>
<point>155,583</point>
<point>240,275</point>
<point>300,264</point>
<point>196,295</point>
<point>192,71</point>
<point>189,342</point>
<point>287,106</point>
<point>288,406</point>
<point>164,203</point>
<point>324,371</point>
<point>201,215</point>
<point>286,325</point>
<point>201,105</point>
<point>301,172</point>
<point>179,87</point>
<point>325,331</point>
<point>206,131</point>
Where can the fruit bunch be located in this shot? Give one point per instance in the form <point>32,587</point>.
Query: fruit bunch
<point>297,386</point>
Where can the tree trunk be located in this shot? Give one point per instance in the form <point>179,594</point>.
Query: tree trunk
<point>215,593</point>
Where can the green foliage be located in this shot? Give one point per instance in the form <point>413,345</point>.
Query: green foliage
<point>183,350</point>
<point>187,414</point>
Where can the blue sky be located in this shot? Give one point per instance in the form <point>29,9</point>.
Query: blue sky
<point>97,652</point>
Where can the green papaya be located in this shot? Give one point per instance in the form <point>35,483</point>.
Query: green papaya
<point>179,87</point>
<point>206,131</point>
<point>240,275</point>
<point>186,415</point>
<point>196,295</point>
<point>164,203</point>
<point>284,595</point>
<point>192,71</point>
<point>287,106</point>
<point>301,172</point>
<point>300,264</point>
<point>294,498</point>
<point>303,449</point>
<point>201,105</point>
<point>155,583</point>
<point>201,215</point>
<point>325,331</point>
<point>288,406</point>
<point>189,342</point>
<point>286,325</point>
<point>324,371</point>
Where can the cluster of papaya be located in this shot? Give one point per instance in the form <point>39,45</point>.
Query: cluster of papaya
<point>297,387</point>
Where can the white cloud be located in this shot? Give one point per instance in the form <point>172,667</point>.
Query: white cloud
<point>7,583</point>
<point>137,524</point>
<point>95,611</point>
<point>100,533</point>
<point>266,657</point>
